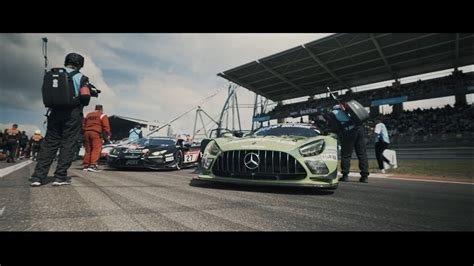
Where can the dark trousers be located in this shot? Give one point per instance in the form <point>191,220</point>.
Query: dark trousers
<point>64,127</point>
<point>351,139</point>
<point>35,148</point>
<point>22,150</point>
<point>12,149</point>
<point>93,147</point>
<point>380,146</point>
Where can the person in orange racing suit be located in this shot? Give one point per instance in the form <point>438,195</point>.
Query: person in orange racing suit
<point>93,125</point>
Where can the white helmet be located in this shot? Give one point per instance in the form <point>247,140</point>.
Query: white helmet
<point>37,131</point>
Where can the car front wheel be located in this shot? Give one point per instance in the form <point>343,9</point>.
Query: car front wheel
<point>178,160</point>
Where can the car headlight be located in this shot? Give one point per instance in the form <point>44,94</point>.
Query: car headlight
<point>114,152</point>
<point>107,150</point>
<point>157,153</point>
<point>211,149</point>
<point>313,148</point>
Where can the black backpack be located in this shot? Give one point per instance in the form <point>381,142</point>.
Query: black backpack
<point>58,89</point>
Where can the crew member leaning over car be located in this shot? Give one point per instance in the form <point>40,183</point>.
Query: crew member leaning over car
<point>135,133</point>
<point>351,136</point>
<point>94,124</point>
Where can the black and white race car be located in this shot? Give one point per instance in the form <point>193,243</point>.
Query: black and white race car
<point>154,153</point>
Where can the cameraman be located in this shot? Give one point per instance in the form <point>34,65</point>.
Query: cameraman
<point>64,127</point>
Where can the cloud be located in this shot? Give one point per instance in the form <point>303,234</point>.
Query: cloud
<point>150,76</point>
<point>22,69</point>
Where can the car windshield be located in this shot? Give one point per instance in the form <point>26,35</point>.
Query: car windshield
<point>154,142</point>
<point>288,130</point>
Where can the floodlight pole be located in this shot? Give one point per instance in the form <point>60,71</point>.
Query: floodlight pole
<point>233,113</point>
<point>255,106</point>
<point>195,120</point>
<point>238,112</point>
<point>224,109</point>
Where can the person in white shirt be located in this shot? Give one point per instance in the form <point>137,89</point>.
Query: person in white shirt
<point>381,143</point>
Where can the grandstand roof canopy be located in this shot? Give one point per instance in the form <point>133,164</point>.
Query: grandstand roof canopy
<point>347,60</point>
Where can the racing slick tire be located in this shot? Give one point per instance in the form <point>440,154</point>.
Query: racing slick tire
<point>178,160</point>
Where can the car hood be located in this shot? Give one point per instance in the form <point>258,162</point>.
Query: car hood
<point>285,144</point>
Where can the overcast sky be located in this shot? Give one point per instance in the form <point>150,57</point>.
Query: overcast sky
<point>146,76</point>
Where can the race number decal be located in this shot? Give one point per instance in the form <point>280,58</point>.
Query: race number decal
<point>188,158</point>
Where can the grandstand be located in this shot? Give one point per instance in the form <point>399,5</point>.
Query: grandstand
<point>441,126</point>
<point>420,90</point>
<point>346,61</point>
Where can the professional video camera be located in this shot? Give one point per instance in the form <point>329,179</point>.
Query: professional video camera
<point>94,91</point>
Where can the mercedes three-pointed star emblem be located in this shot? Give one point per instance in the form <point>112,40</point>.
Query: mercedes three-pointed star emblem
<point>251,161</point>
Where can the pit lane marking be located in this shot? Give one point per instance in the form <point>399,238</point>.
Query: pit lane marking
<point>415,179</point>
<point>13,168</point>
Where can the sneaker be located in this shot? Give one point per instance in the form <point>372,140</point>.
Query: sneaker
<point>382,171</point>
<point>35,184</point>
<point>344,178</point>
<point>364,179</point>
<point>392,165</point>
<point>59,182</point>
<point>86,168</point>
<point>93,168</point>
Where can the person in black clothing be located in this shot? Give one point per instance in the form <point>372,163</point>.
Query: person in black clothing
<point>351,136</point>
<point>23,143</point>
<point>12,136</point>
<point>35,144</point>
<point>3,149</point>
<point>64,128</point>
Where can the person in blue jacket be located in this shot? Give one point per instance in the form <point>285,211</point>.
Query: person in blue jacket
<point>381,143</point>
<point>135,133</point>
<point>351,136</point>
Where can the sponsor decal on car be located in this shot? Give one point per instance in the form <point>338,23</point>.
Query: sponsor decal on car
<point>253,146</point>
<point>288,142</point>
<point>330,150</point>
<point>131,162</point>
<point>329,156</point>
<point>133,151</point>
<point>131,156</point>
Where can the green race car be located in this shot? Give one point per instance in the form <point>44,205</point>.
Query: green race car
<point>284,154</point>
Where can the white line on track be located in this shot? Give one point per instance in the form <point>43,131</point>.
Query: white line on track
<point>13,168</point>
<point>429,180</point>
<point>410,179</point>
